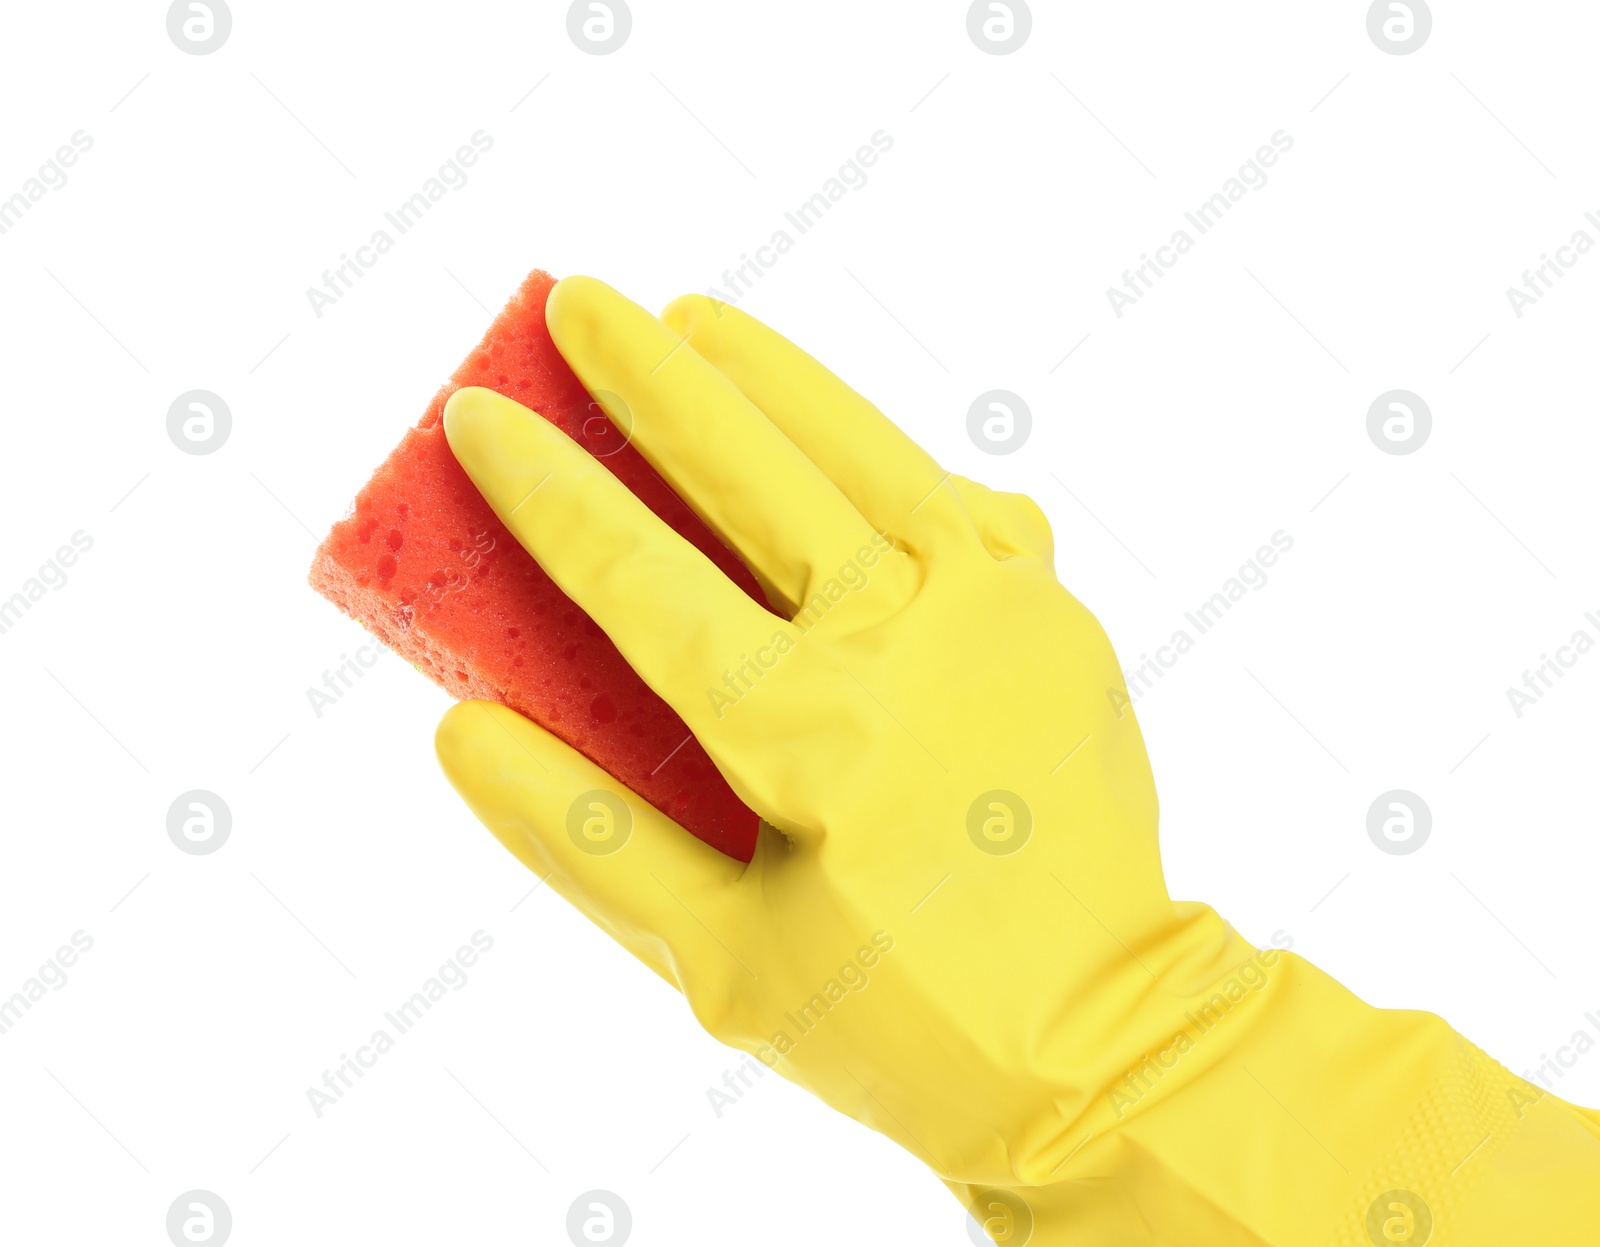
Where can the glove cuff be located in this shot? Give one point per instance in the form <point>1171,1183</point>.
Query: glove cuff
<point>1302,1116</point>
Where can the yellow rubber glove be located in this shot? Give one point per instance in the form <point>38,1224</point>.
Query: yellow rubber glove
<point>955,928</point>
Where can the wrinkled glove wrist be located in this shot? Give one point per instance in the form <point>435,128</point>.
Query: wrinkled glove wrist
<point>1299,1116</point>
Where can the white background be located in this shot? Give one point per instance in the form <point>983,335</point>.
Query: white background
<point>1171,444</point>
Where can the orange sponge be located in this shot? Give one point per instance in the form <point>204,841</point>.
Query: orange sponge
<point>428,568</point>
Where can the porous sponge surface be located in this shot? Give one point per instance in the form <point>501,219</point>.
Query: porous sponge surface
<point>427,567</point>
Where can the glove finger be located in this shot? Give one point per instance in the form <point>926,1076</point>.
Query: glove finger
<point>662,894</point>
<point>674,616</point>
<point>889,478</point>
<point>714,447</point>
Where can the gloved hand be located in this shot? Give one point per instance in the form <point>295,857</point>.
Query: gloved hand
<point>955,928</point>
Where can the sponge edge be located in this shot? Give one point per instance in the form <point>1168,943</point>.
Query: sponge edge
<point>426,566</point>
